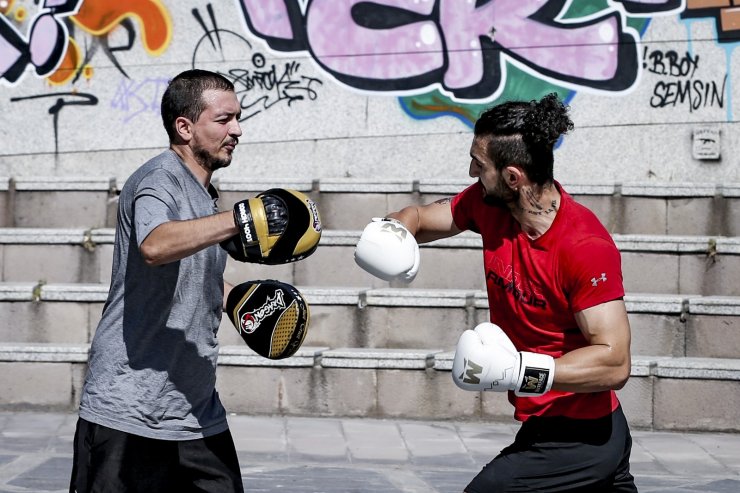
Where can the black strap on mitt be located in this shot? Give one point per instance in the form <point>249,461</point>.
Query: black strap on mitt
<point>278,226</point>
<point>272,317</point>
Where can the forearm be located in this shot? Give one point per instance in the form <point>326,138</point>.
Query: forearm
<point>428,223</point>
<point>176,240</point>
<point>592,369</point>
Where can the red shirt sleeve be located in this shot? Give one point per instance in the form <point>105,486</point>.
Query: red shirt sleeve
<point>592,273</point>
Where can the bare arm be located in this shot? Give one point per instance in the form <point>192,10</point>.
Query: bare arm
<point>605,363</point>
<point>176,240</point>
<point>429,222</point>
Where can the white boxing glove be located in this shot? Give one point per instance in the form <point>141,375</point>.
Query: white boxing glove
<point>388,250</point>
<point>486,359</point>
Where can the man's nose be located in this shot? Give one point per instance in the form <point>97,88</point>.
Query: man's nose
<point>473,172</point>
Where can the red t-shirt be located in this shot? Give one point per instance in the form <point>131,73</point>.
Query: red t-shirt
<point>535,286</point>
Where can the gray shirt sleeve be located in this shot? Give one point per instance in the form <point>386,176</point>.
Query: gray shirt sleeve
<point>155,202</point>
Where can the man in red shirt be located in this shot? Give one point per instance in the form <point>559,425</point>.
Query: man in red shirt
<point>558,340</point>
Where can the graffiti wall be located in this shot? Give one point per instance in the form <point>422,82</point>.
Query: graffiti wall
<point>384,89</point>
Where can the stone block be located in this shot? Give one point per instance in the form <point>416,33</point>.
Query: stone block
<point>427,394</point>
<point>731,225</point>
<point>710,274</point>
<point>333,265</point>
<point>691,216</point>
<point>657,334</point>
<point>352,211</point>
<point>636,396</point>
<point>343,392</point>
<point>61,209</point>
<point>35,385</point>
<point>650,272</point>
<point>249,389</point>
<point>52,263</point>
<point>697,404</point>
<point>642,215</point>
<point>411,327</point>
<point>44,322</point>
<point>713,336</point>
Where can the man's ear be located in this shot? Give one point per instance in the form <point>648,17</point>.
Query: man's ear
<point>513,176</point>
<point>184,128</point>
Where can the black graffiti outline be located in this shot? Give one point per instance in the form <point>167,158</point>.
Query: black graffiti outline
<point>56,108</point>
<point>101,41</point>
<point>284,86</point>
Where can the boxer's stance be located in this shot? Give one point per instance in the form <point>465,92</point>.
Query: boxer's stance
<point>558,340</point>
<point>150,417</point>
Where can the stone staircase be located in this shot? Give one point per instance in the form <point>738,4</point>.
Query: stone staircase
<point>371,341</point>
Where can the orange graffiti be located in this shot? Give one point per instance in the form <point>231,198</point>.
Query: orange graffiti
<point>6,6</point>
<point>68,66</point>
<point>99,17</point>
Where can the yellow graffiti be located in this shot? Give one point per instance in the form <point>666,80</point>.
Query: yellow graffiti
<point>20,14</point>
<point>99,17</point>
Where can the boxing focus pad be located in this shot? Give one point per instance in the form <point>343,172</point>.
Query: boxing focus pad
<point>271,316</point>
<point>278,226</point>
<point>486,359</point>
<point>388,250</point>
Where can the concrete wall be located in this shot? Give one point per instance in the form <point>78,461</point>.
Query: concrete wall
<point>365,89</point>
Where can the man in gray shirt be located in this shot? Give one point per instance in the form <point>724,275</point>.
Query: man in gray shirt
<point>150,417</point>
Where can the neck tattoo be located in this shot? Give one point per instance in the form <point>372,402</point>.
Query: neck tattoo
<point>539,210</point>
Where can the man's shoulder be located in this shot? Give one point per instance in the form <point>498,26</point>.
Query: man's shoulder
<point>165,164</point>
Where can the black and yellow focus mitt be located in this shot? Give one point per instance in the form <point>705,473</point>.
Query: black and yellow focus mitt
<point>272,317</point>
<point>278,226</point>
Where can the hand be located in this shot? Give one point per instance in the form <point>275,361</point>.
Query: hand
<point>388,250</point>
<point>486,359</point>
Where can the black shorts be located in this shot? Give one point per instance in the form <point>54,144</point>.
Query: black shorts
<point>107,460</point>
<point>561,454</point>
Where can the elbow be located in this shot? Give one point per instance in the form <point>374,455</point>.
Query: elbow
<point>621,376</point>
<point>151,255</point>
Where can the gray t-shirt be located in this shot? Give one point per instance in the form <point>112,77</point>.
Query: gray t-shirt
<point>152,365</point>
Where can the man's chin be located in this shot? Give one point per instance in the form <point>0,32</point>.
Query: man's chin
<point>494,201</point>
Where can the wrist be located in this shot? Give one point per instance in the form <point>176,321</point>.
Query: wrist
<point>536,374</point>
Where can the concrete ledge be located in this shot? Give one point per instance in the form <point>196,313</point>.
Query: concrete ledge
<point>46,353</point>
<point>243,356</point>
<point>672,190</point>
<point>64,183</point>
<point>255,186</point>
<point>350,185</point>
<point>662,393</point>
<point>698,368</point>
<point>714,305</point>
<point>399,359</point>
<point>391,297</point>
<point>330,238</point>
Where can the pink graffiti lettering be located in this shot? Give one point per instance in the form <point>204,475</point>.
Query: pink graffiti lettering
<point>396,45</point>
<point>45,45</point>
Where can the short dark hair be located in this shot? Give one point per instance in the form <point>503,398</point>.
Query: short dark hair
<point>525,133</point>
<point>183,96</point>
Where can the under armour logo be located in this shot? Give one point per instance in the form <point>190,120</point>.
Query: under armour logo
<point>595,280</point>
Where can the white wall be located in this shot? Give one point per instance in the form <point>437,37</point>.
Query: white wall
<point>358,127</point>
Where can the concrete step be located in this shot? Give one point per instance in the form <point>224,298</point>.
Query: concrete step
<point>662,325</point>
<point>663,393</point>
<point>652,208</point>
<point>706,265</point>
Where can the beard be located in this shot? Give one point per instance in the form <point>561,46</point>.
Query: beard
<point>209,160</point>
<point>500,195</point>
